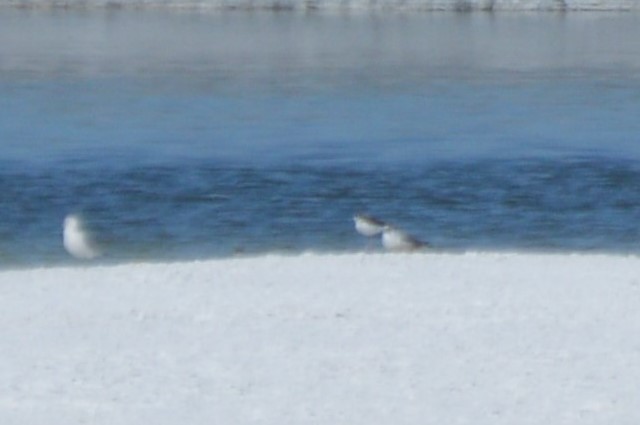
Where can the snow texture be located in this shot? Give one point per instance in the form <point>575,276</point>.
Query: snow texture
<point>342,5</point>
<point>475,338</point>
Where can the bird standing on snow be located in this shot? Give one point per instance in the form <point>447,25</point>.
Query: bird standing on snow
<point>396,240</point>
<point>77,240</point>
<point>367,225</point>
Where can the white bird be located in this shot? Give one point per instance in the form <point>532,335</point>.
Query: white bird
<point>77,240</point>
<point>394,239</point>
<point>367,225</point>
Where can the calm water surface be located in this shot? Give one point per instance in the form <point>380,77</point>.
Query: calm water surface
<point>184,135</point>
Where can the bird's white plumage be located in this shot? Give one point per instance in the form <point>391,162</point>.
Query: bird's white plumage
<point>394,239</point>
<point>368,226</point>
<point>77,240</point>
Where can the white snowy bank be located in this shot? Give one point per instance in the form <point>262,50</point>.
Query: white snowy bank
<point>325,339</point>
<point>341,5</point>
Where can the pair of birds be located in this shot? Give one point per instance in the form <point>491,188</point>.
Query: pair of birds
<point>393,239</point>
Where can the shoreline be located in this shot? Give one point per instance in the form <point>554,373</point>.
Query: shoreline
<point>316,255</point>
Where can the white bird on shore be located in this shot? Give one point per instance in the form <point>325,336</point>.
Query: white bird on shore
<point>367,225</point>
<point>77,240</point>
<point>394,239</point>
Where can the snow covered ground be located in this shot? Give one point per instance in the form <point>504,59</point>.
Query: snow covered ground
<point>434,338</point>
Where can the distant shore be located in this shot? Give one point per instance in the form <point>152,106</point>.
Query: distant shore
<point>338,5</point>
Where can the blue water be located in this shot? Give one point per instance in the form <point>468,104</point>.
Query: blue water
<point>191,135</point>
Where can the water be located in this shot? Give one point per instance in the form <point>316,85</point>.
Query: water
<point>182,135</point>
